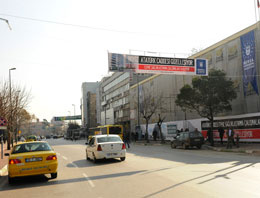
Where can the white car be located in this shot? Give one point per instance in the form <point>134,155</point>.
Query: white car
<point>105,147</point>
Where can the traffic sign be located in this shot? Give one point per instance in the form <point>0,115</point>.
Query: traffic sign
<point>3,122</point>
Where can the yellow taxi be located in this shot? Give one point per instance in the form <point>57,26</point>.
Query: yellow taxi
<point>31,138</point>
<point>32,158</point>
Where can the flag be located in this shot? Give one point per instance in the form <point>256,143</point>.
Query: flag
<point>258,4</point>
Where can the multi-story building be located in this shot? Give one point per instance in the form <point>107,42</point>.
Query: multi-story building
<point>225,55</point>
<point>92,110</point>
<point>87,87</point>
<point>114,97</point>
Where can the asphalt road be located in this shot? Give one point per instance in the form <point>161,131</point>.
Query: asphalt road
<point>149,171</point>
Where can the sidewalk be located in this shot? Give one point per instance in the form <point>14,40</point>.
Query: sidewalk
<point>248,148</point>
<point>4,161</point>
<point>244,147</point>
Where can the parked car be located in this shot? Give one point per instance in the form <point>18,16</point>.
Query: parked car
<point>105,147</point>
<point>32,158</point>
<point>188,139</point>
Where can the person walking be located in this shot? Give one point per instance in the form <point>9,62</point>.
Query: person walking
<point>210,137</point>
<point>221,134</point>
<point>154,134</point>
<point>126,140</point>
<point>230,135</point>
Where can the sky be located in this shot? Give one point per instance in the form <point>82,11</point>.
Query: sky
<point>56,45</point>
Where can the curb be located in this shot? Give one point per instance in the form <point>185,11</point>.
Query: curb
<point>256,152</point>
<point>3,171</point>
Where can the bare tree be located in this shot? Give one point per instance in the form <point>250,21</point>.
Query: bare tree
<point>148,107</point>
<point>12,105</point>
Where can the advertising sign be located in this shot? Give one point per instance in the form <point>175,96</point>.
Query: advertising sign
<point>249,61</point>
<point>157,65</point>
<point>247,128</point>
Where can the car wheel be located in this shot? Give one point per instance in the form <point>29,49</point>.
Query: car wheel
<point>173,145</point>
<point>10,180</point>
<point>122,158</point>
<point>199,146</point>
<point>54,175</point>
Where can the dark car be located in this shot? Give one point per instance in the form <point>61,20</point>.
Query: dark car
<point>188,139</point>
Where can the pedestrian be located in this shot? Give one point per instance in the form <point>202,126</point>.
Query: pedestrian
<point>210,137</point>
<point>126,140</point>
<point>154,134</point>
<point>136,136</point>
<point>230,136</point>
<point>221,134</point>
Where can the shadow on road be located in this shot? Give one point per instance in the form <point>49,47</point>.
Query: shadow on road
<point>190,156</point>
<point>42,180</point>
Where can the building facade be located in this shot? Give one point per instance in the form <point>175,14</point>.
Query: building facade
<point>114,97</point>
<point>87,87</point>
<point>226,55</point>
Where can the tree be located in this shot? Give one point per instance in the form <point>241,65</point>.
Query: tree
<point>11,103</point>
<point>159,123</point>
<point>208,95</point>
<point>148,106</point>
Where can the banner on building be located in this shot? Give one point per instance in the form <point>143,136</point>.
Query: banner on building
<point>247,128</point>
<point>249,61</point>
<point>157,65</point>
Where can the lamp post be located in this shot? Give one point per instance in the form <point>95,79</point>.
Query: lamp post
<point>74,109</point>
<point>11,110</point>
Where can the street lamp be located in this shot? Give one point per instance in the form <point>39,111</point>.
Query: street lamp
<point>11,110</point>
<point>6,22</point>
<point>74,109</point>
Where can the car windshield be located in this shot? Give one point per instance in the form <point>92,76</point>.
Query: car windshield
<point>108,139</point>
<point>31,147</point>
<point>195,134</point>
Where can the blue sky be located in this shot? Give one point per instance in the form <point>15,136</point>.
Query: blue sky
<point>54,58</point>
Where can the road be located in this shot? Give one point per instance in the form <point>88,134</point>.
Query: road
<point>149,171</point>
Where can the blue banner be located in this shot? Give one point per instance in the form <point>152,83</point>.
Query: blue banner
<point>249,61</point>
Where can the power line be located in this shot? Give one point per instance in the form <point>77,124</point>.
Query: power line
<point>79,26</point>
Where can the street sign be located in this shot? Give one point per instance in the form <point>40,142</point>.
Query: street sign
<point>77,117</point>
<point>3,127</point>
<point>3,122</point>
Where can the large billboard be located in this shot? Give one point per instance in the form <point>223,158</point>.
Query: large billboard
<point>157,65</point>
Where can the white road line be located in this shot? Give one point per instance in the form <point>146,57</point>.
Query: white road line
<point>58,154</point>
<point>74,165</point>
<point>64,157</point>
<point>89,181</point>
<point>3,170</point>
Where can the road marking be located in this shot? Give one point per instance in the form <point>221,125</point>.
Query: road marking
<point>64,157</point>
<point>3,170</point>
<point>58,154</point>
<point>89,181</point>
<point>74,165</point>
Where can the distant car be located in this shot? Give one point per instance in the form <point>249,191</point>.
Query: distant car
<point>105,147</point>
<point>32,158</point>
<point>55,137</point>
<point>188,139</point>
<point>31,138</point>
<point>48,137</point>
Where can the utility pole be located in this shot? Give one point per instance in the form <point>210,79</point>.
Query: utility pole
<point>11,111</point>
